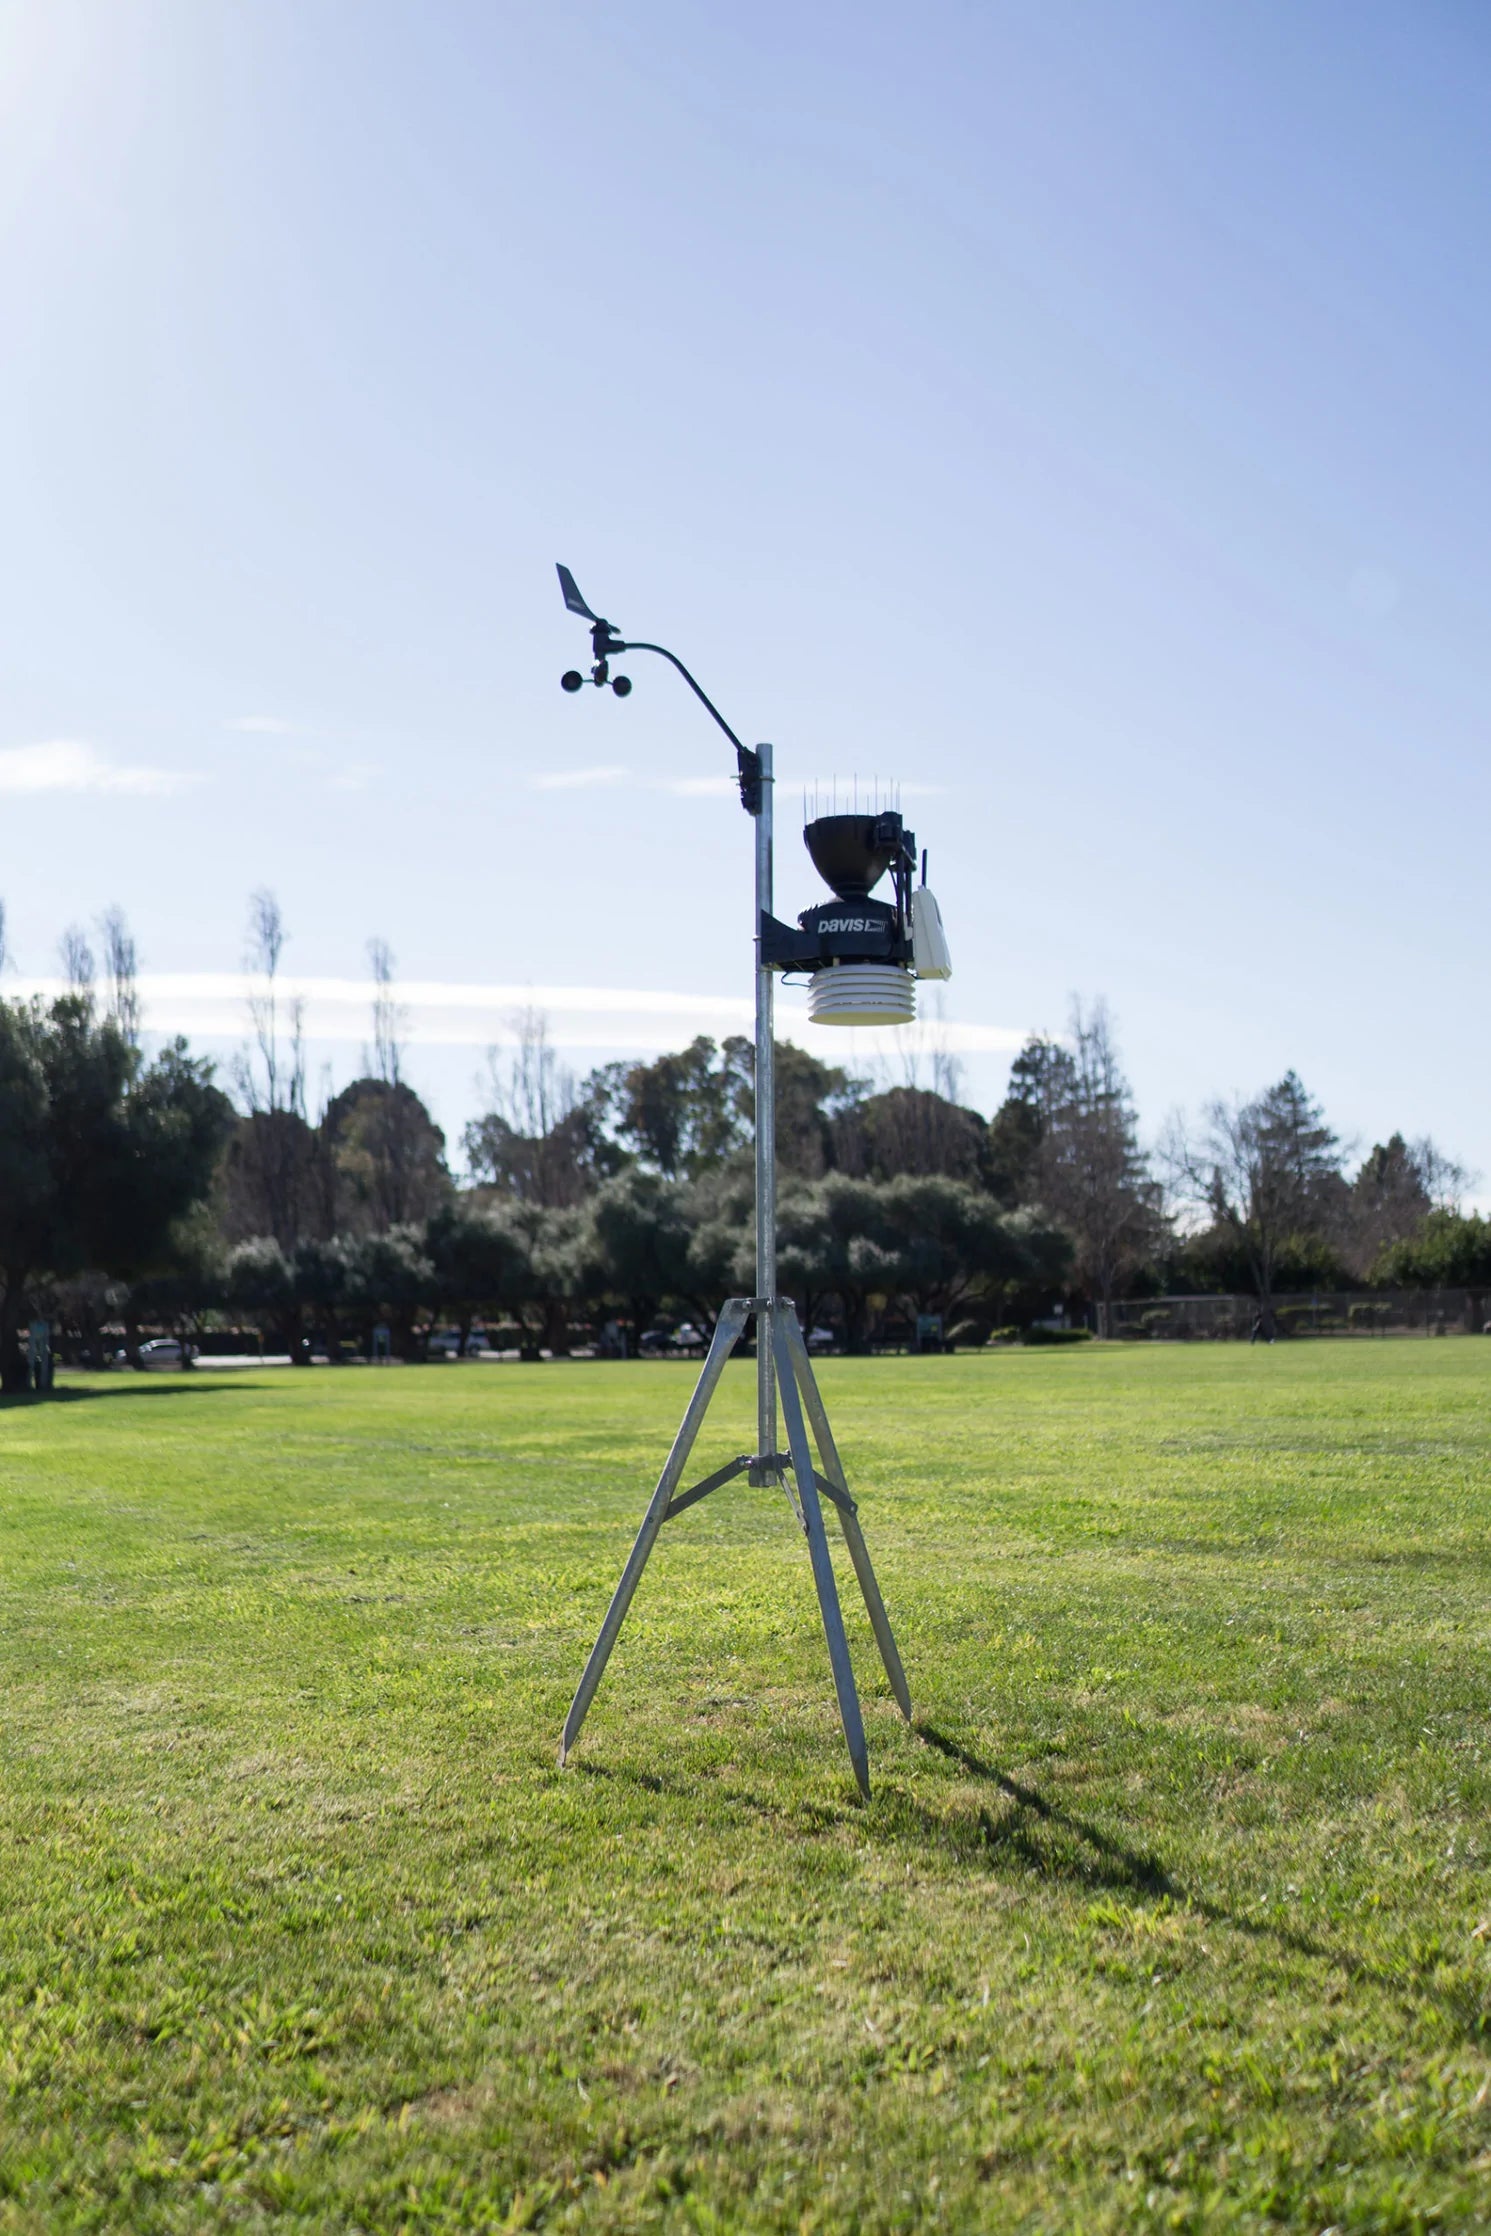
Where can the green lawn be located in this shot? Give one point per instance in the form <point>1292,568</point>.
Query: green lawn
<point>1172,1911</point>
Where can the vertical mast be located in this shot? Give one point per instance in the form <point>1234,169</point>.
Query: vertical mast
<point>766,1135</point>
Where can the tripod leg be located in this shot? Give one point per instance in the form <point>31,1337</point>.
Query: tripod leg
<point>854,1537</point>
<point>727,1329</point>
<point>823,1574</point>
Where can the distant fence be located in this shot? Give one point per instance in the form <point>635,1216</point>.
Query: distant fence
<point>1320,1312</point>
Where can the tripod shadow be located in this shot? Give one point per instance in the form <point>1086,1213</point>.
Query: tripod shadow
<point>1109,1861</point>
<point>1031,1833</point>
<point>1102,1860</point>
<point>628,1775</point>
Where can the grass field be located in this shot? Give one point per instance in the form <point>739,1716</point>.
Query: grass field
<point>1171,1912</point>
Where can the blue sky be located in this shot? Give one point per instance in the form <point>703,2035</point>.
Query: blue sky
<point>1077,412</point>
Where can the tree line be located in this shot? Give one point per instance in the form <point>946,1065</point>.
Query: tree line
<point>143,1192</point>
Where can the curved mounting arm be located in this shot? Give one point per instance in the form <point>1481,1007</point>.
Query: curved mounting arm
<point>701,695</point>
<point>605,644</point>
<point>747,763</point>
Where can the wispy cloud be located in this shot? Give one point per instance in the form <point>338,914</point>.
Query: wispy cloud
<point>578,780</point>
<point>698,787</point>
<point>72,765</point>
<point>459,1013</point>
<point>263,725</point>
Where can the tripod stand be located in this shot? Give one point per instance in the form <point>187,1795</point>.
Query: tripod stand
<point>783,1368</point>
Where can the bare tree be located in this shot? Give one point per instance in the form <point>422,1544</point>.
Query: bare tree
<point>389,1019</point>
<point>1089,1170</point>
<point>121,967</point>
<point>1265,1170</point>
<point>384,1152</point>
<point>1444,1182</point>
<point>529,1086</point>
<point>78,966</point>
<point>924,1062</point>
<point>269,1078</point>
<point>272,1163</point>
<point>540,1135</point>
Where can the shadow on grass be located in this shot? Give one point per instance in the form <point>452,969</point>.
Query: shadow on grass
<point>1099,1860</point>
<point>1112,1863</point>
<point>68,1393</point>
<point>628,1775</point>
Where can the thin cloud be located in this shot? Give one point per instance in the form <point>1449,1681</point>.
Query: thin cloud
<point>72,765</point>
<point>698,787</point>
<point>461,1013</point>
<point>263,725</point>
<point>578,780</point>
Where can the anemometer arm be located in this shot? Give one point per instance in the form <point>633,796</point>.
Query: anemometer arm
<point>747,763</point>
<point>605,643</point>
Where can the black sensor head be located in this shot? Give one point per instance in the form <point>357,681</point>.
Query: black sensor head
<point>851,853</point>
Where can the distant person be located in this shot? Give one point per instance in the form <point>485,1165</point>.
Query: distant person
<point>1263,1330</point>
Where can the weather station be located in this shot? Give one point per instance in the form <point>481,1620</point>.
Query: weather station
<point>862,958</point>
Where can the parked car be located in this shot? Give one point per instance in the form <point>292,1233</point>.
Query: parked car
<point>445,1343</point>
<point>655,1343</point>
<point>821,1339</point>
<point>163,1350</point>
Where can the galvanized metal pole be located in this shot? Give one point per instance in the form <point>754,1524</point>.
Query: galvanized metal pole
<point>766,1143</point>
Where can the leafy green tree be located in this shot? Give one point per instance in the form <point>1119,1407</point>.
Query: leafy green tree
<point>388,1154</point>
<point>691,1112</point>
<point>319,1274</point>
<point>934,1242</point>
<point>260,1282</point>
<point>722,1237</point>
<point>688,1110</point>
<point>482,1259</point>
<point>554,1281</point>
<point>101,1154</point>
<point>911,1130</point>
<point>389,1277</point>
<point>950,1243</point>
<point>639,1241</point>
<point>1450,1250</point>
<point>555,1169</point>
<point>830,1244</point>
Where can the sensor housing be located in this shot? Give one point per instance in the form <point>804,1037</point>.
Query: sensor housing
<point>864,956</point>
